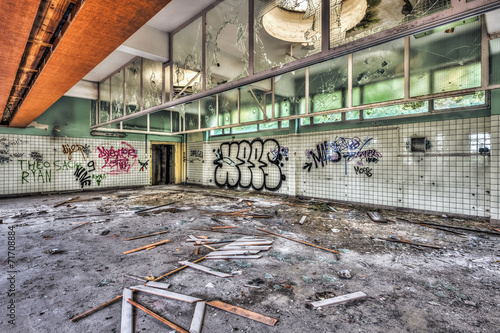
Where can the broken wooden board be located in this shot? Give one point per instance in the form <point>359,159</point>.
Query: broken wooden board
<point>156,207</point>
<point>376,217</point>
<point>250,256</point>
<point>303,219</point>
<point>96,308</point>
<point>198,316</point>
<point>158,285</point>
<point>146,247</point>
<point>243,312</point>
<point>149,235</point>
<point>167,294</point>
<point>127,322</point>
<point>299,241</point>
<point>205,269</point>
<point>404,241</point>
<point>339,299</point>
<point>245,247</point>
<point>157,317</point>
<point>238,243</point>
<point>231,252</point>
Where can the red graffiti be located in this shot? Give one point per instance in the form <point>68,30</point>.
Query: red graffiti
<point>118,161</point>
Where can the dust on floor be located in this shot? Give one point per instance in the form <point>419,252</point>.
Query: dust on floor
<point>68,259</point>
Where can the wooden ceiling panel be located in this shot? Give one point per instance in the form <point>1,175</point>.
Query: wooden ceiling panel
<point>15,27</point>
<point>97,30</point>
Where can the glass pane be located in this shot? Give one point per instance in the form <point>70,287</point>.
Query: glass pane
<point>228,107</point>
<point>227,42</point>
<point>328,83</point>
<point>305,121</point>
<point>137,124</point>
<point>460,101</point>
<point>152,83</point>
<point>378,72</point>
<point>447,58</point>
<point>495,61</point>
<point>175,122</point>
<point>285,31</point>
<point>192,118</point>
<point>208,112</point>
<point>244,129</point>
<point>253,99</point>
<point>187,55</point>
<point>93,113</point>
<point>117,95</point>
<point>396,110</point>
<point>328,118</point>
<point>104,101</point>
<point>167,83</point>
<point>290,92</point>
<point>267,126</point>
<point>285,123</point>
<point>355,19</point>
<point>352,115</point>
<point>216,132</point>
<point>160,121</point>
<point>133,87</point>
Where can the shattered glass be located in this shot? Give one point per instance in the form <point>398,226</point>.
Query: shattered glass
<point>104,101</point>
<point>354,19</point>
<point>289,93</point>
<point>152,83</point>
<point>167,83</point>
<point>328,83</point>
<point>208,112</point>
<point>117,95</point>
<point>93,113</point>
<point>396,110</point>
<point>160,121</point>
<point>187,59</point>
<point>378,73</point>
<point>176,122</point>
<point>352,115</point>
<point>445,59</point>
<point>228,107</point>
<point>227,42</point>
<point>495,61</point>
<point>478,98</point>
<point>285,31</point>
<point>192,110</point>
<point>133,87</point>
<point>253,101</point>
<point>328,118</point>
<point>137,124</point>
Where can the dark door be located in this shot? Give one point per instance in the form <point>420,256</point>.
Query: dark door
<point>163,164</point>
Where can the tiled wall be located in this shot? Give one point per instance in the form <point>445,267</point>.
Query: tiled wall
<point>370,165</point>
<point>34,164</point>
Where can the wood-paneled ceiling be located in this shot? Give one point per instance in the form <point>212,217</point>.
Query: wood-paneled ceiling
<point>47,46</point>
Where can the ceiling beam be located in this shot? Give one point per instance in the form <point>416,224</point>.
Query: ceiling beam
<point>97,30</point>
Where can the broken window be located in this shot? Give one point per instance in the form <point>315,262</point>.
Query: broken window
<point>117,95</point>
<point>446,58</point>
<point>133,87</point>
<point>328,83</point>
<point>478,98</point>
<point>396,110</point>
<point>244,129</point>
<point>152,83</point>
<point>268,126</point>
<point>290,93</point>
<point>208,109</point>
<point>328,118</point>
<point>160,121</point>
<point>352,115</point>
<point>104,101</point>
<point>354,19</point>
<point>495,61</point>
<point>227,42</point>
<point>187,60</point>
<point>192,110</point>
<point>253,101</point>
<point>137,124</point>
<point>378,73</point>
<point>228,107</point>
<point>93,112</point>
<point>285,31</point>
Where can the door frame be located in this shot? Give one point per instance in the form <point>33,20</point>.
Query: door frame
<point>179,174</point>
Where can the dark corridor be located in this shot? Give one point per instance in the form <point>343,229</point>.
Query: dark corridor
<point>163,161</point>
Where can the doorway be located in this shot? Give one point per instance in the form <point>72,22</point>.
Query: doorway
<point>163,164</point>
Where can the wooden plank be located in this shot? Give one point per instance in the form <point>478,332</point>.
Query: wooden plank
<point>198,316</point>
<point>157,317</point>
<point>250,256</point>
<point>299,241</point>
<point>232,252</point>
<point>404,241</point>
<point>176,270</point>
<point>167,294</point>
<point>243,312</point>
<point>149,235</point>
<point>225,227</point>
<point>96,308</point>
<point>146,247</point>
<point>376,217</point>
<point>158,285</point>
<point>127,322</point>
<point>251,243</point>
<point>245,247</point>
<point>339,299</point>
<point>287,203</point>
<point>303,219</point>
<point>156,207</point>
<point>204,269</point>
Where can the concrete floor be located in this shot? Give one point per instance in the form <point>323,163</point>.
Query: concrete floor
<point>409,288</point>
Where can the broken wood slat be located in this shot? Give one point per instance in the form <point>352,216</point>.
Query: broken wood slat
<point>243,312</point>
<point>404,241</point>
<point>454,227</point>
<point>167,294</point>
<point>81,225</point>
<point>299,241</point>
<point>287,203</point>
<point>251,244</point>
<point>158,285</point>
<point>231,252</point>
<point>157,317</point>
<point>226,227</point>
<point>340,299</point>
<point>96,308</point>
<point>232,232</point>
<point>202,240</point>
<point>232,213</point>
<point>198,316</point>
<point>127,322</point>
<point>156,233</point>
<point>245,247</point>
<point>497,230</point>
<point>442,229</point>
<point>250,256</point>
<point>146,247</point>
<point>303,219</point>
<point>65,202</point>
<point>152,208</point>
<point>253,241</point>
<point>376,217</point>
<point>135,277</point>
<point>205,269</point>
<point>176,270</point>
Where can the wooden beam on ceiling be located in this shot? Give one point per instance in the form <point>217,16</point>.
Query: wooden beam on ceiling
<point>97,30</point>
<point>15,27</point>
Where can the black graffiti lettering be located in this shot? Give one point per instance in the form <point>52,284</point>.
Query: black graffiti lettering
<point>366,171</point>
<point>82,176</point>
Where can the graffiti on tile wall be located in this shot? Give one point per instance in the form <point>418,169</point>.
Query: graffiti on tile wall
<point>82,174</point>
<point>117,161</point>
<point>347,149</point>
<point>195,155</point>
<point>68,149</point>
<point>6,155</point>
<point>144,165</point>
<point>250,164</point>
